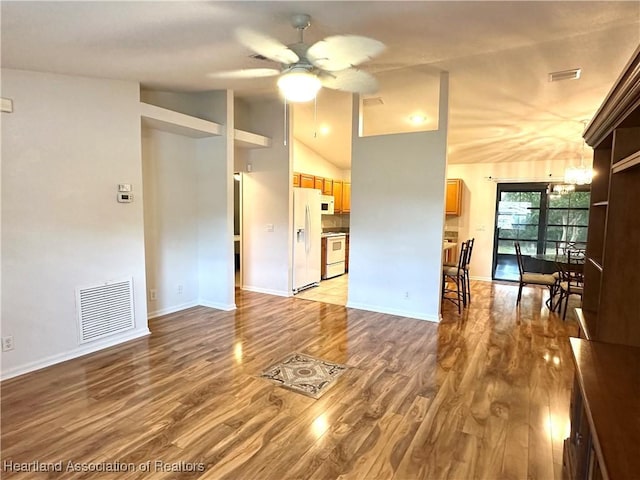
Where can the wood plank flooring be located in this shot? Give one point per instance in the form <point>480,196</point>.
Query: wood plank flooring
<point>482,395</point>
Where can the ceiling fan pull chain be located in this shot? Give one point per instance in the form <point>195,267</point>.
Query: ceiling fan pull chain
<point>315,117</point>
<point>285,122</point>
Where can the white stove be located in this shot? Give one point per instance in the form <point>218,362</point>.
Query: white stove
<point>334,258</point>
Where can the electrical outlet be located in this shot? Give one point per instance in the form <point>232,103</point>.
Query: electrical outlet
<point>180,289</point>
<point>153,294</point>
<point>7,343</point>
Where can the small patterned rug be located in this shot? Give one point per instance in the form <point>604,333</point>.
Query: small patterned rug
<point>304,374</point>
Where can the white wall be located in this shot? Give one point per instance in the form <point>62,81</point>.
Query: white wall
<point>68,144</point>
<point>479,202</point>
<point>267,197</point>
<point>171,220</point>
<point>397,219</point>
<point>306,160</point>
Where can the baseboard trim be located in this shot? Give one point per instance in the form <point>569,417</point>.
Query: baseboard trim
<point>172,309</point>
<point>279,293</point>
<point>482,279</point>
<point>76,353</point>
<point>393,311</point>
<point>227,307</point>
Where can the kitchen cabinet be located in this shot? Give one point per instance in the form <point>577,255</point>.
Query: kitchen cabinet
<point>346,255</point>
<point>307,181</point>
<point>337,196</point>
<point>341,191</point>
<point>327,187</point>
<point>453,204</point>
<point>346,197</point>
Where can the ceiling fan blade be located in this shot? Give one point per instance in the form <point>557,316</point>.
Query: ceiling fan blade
<point>246,73</point>
<point>351,80</point>
<point>266,46</point>
<point>343,51</point>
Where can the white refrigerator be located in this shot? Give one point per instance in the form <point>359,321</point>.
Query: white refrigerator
<point>307,229</point>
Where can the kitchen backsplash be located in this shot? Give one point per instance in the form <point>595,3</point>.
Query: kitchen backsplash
<point>336,223</point>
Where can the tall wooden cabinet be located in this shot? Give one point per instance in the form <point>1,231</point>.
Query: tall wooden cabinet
<point>612,275</point>
<point>605,425</point>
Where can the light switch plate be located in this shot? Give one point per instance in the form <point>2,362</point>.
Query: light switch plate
<point>124,187</point>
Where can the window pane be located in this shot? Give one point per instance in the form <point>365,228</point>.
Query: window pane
<point>557,217</point>
<point>579,217</point>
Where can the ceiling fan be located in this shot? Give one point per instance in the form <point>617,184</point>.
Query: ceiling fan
<point>304,69</point>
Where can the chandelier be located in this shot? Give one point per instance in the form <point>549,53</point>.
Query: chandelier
<point>564,188</point>
<point>580,175</point>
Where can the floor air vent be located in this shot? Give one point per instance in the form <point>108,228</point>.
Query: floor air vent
<point>105,309</point>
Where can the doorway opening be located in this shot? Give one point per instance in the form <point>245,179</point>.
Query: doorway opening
<point>237,228</point>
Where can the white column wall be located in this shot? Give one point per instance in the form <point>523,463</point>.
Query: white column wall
<point>397,219</point>
<point>267,201</point>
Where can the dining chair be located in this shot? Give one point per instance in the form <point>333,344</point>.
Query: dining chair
<point>467,278</point>
<point>456,275</point>
<point>531,278</point>
<point>572,279</point>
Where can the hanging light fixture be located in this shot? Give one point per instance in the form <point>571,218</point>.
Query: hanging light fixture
<point>299,85</point>
<point>580,175</point>
<point>564,188</point>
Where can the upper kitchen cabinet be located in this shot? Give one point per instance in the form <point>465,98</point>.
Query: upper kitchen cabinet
<point>296,179</point>
<point>327,186</point>
<point>337,196</point>
<point>454,197</point>
<point>346,197</point>
<point>307,181</point>
<point>318,183</point>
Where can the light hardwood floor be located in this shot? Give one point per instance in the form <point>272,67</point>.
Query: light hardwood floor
<point>480,395</point>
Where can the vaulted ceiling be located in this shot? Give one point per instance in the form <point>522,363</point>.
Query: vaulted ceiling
<point>498,55</point>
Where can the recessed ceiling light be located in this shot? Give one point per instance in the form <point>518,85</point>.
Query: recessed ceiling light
<point>324,129</point>
<point>417,119</point>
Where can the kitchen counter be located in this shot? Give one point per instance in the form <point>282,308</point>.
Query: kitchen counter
<point>333,234</point>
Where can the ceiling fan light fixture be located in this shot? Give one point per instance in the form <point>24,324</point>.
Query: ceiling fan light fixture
<point>418,119</point>
<point>299,85</point>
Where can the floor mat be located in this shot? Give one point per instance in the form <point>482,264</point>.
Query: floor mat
<point>304,374</point>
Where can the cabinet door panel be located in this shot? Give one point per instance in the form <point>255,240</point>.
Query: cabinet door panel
<point>346,197</point>
<point>307,181</point>
<point>296,179</point>
<point>453,204</point>
<point>327,188</point>
<point>337,196</point>
<point>318,183</point>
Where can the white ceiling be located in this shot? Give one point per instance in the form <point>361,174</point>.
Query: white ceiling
<point>502,107</point>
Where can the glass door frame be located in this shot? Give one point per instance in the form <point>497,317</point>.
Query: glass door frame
<point>542,217</point>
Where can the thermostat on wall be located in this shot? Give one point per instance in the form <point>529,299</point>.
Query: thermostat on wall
<point>125,197</point>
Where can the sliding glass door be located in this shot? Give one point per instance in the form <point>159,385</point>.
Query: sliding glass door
<point>526,213</point>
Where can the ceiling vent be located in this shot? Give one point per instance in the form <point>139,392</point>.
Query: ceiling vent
<point>372,102</point>
<point>572,74</point>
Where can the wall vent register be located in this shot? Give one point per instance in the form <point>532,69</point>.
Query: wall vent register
<point>105,309</point>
